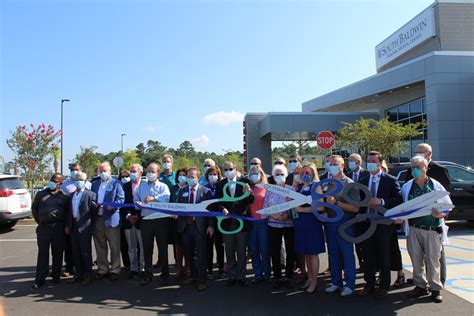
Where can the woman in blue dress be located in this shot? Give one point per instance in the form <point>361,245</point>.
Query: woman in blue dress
<point>309,237</point>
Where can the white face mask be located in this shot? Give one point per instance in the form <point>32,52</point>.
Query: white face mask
<point>213,179</point>
<point>279,179</point>
<point>151,176</point>
<point>230,174</point>
<point>167,165</point>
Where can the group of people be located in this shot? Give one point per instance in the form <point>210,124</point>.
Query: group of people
<point>110,211</point>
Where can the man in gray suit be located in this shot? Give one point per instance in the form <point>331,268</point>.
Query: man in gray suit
<point>194,229</point>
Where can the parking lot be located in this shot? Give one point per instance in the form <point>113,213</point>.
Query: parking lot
<point>17,268</point>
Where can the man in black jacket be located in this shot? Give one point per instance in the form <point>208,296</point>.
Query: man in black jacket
<point>386,192</point>
<point>234,242</point>
<point>440,174</point>
<point>49,210</point>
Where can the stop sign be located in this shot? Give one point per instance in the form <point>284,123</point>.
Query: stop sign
<point>325,140</point>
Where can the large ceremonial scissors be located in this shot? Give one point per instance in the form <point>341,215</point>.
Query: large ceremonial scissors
<point>296,199</point>
<point>162,209</point>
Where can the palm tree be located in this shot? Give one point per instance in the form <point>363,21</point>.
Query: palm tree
<point>56,153</point>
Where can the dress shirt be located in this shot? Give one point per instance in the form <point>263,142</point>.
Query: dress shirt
<point>158,190</point>
<point>76,200</point>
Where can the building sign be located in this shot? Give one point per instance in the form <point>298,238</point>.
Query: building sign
<point>412,34</point>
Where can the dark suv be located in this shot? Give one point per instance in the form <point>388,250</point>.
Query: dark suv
<point>462,187</point>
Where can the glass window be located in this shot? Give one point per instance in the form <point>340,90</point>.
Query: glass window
<point>403,112</point>
<point>460,175</point>
<point>416,108</point>
<point>416,119</point>
<point>392,115</point>
<point>11,183</point>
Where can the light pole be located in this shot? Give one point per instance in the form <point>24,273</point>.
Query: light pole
<point>62,132</point>
<point>121,138</point>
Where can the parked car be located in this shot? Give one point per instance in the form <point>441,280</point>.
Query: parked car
<point>462,187</point>
<point>15,200</point>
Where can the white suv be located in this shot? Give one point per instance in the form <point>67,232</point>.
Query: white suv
<point>15,200</point>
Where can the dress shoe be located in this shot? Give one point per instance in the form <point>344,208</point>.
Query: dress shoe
<point>243,283</point>
<point>74,279</point>
<point>36,285</point>
<point>86,281</point>
<point>399,282</point>
<point>436,296</point>
<point>113,277</point>
<point>132,275</point>
<point>365,291</point>
<point>189,281</point>
<point>381,294</point>
<point>201,287</point>
<point>418,292</point>
<point>164,279</point>
<point>145,280</point>
<point>100,276</point>
<point>230,282</point>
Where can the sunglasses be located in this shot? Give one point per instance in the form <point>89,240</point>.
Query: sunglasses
<point>278,163</point>
<point>293,161</point>
<point>207,165</point>
<point>253,164</point>
<point>303,173</point>
<point>230,169</point>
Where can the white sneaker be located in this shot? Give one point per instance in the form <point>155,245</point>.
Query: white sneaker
<point>346,291</point>
<point>333,288</point>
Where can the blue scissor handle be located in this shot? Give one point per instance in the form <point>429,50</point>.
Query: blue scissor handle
<point>316,196</point>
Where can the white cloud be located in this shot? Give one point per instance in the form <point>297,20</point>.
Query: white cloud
<point>223,118</point>
<point>150,129</point>
<point>201,141</point>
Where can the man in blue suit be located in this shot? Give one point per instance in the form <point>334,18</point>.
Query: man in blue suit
<point>195,229</point>
<point>80,222</point>
<point>107,230</point>
<point>386,192</point>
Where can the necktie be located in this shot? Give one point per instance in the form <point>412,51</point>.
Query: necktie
<point>190,219</point>
<point>372,187</point>
<point>356,177</point>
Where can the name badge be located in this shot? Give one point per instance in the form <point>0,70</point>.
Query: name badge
<point>186,194</point>
<point>307,189</point>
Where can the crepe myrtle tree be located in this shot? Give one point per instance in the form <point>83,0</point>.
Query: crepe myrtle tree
<point>33,147</point>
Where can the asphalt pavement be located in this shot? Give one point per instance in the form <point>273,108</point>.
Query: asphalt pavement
<point>17,267</point>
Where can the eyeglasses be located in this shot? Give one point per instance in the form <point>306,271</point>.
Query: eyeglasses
<point>279,174</point>
<point>207,165</point>
<point>229,169</point>
<point>293,161</point>
<point>254,164</point>
<point>278,163</point>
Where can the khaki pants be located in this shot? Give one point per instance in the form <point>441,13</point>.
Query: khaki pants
<point>102,236</point>
<point>424,248</point>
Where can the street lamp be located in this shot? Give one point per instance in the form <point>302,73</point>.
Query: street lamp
<point>121,138</point>
<point>62,132</point>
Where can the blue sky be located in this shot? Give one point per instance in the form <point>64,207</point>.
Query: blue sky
<point>179,70</point>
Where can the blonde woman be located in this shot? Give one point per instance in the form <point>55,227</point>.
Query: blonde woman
<point>258,234</point>
<point>309,237</point>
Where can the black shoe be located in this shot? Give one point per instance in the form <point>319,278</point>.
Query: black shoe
<point>418,292</point>
<point>132,275</point>
<point>436,296</point>
<point>56,280</point>
<point>145,280</point>
<point>36,285</point>
<point>257,281</point>
<point>164,279</point>
<point>221,275</point>
<point>400,281</point>
<point>210,276</point>
<point>243,283</point>
<point>230,282</point>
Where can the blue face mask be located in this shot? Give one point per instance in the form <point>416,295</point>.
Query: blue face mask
<point>372,166</point>
<point>73,174</point>
<point>182,179</point>
<point>52,185</point>
<point>80,184</point>
<point>151,176</point>
<point>307,177</point>
<point>293,165</point>
<point>334,170</point>
<point>416,172</point>
<point>327,165</point>
<point>254,177</point>
<point>104,176</point>
<point>133,176</point>
<point>352,165</point>
<point>167,165</point>
<point>191,181</point>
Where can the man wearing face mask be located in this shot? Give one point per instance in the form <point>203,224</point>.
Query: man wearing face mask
<point>168,177</point>
<point>49,210</point>
<point>293,163</point>
<point>234,243</point>
<point>327,164</point>
<point>107,229</point>
<point>80,226</point>
<point>130,222</point>
<point>207,164</point>
<point>385,191</point>
<point>153,190</point>
<point>341,252</point>
<point>195,229</point>
<point>425,234</point>
<point>355,166</point>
